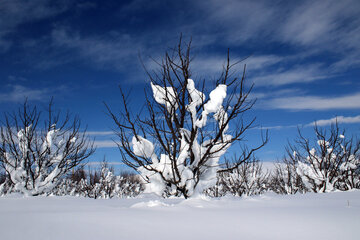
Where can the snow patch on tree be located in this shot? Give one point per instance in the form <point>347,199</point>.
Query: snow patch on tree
<point>165,95</point>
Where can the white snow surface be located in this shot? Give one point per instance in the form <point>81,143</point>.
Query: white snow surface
<point>165,96</point>
<point>143,147</point>
<point>328,216</point>
<point>197,98</point>
<point>214,105</point>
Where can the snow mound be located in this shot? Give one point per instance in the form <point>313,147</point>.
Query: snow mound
<point>154,203</point>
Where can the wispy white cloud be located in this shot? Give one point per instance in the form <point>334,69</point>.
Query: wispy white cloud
<point>100,133</point>
<point>264,96</point>
<point>213,64</point>
<point>264,70</point>
<point>237,21</point>
<point>105,144</point>
<point>320,123</point>
<point>351,101</point>
<point>311,26</point>
<point>15,79</point>
<point>257,62</point>
<point>316,26</point>
<point>322,22</point>
<point>311,21</point>
<point>208,65</point>
<point>300,74</point>
<point>338,119</point>
<point>112,51</point>
<point>278,127</point>
<point>18,93</point>
<point>351,60</point>
<point>324,26</point>
<point>13,13</point>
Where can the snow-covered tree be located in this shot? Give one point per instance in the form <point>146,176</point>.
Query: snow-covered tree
<point>247,180</point>
<point>350,173</point>
<point>284,178</point>
<point>107,181</point>
<point>35,157</point>
<point>100,183</point>
<point>177,142</point>
<point>331,163</point>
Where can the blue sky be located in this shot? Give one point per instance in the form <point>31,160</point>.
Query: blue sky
<point>304,57</point>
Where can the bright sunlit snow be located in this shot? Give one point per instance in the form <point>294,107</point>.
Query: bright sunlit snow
<point>310,216</point>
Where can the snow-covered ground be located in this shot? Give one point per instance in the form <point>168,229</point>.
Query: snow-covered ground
<point>311,216</point>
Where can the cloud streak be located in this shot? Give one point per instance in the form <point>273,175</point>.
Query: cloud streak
<point>19,93</point>
<point>13,13</point>
<point>302,74</point>
<point>307,26</point>
<point>338,119</point>
<point>105,144</point>
<point>100,133</point>
<point>314,103</point>
<point>319,123</point>
<point>107,52</point>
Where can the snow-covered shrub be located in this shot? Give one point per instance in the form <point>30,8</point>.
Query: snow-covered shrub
<point>67,187</point>
<point>246,180</point>
<point>177,143</point>
<point>162,169</point>
<point>330,163</point>
<point>107,182</point>
<point>106,186</point>
<point>349,173</point>
<point>36,158</point>
<point>4,184</point>
<point>109,185</point>
<point>128,185</point>
<point>2,177</point>
<point>5,187</point>
<point>285,180</point>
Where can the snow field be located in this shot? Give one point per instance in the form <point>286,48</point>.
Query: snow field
<point>333,215</point>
